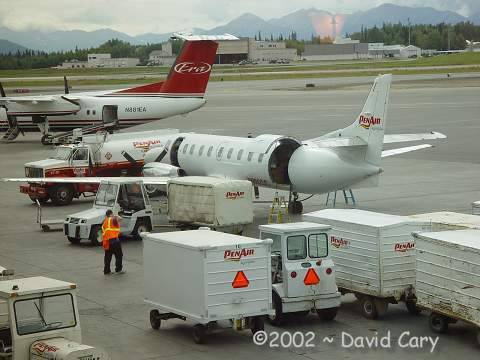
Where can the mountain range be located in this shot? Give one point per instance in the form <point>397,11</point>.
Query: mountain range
<point>305,22</point>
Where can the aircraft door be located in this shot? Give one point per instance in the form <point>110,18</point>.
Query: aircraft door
<point>110,115</point>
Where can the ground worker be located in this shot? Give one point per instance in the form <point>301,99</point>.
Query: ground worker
<point>111,243</point>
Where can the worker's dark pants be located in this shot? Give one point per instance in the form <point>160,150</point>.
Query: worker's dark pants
<point>115,249</point>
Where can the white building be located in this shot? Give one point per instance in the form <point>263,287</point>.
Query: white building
<point>379,50</point>
<point>266,51</point>
<point>101,60</point>
<point>347,51</point>
<point>162,57</point>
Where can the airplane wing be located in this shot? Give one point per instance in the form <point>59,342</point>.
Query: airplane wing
<point>153,180</point>
<point>26,99</point>
<point>392,152</point>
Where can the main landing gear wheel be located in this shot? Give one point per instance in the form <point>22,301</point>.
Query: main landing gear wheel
<point>155,320</point>
<point>295,207</point>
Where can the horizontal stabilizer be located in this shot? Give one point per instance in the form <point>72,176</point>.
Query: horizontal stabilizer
<point>395,138</point>
<point>392,152</point>
<point>191,37</point>
<point>338,142</point>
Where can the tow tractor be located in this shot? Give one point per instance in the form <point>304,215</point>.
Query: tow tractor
<point>127,199</point>
<point>39,320</point>
<point>303,274</point>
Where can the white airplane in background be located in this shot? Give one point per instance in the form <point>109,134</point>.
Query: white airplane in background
<point>343,159</point>
<point>182,92</point>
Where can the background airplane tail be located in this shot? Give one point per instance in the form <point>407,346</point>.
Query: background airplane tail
<point>370,124</point>
<point>189,74</point>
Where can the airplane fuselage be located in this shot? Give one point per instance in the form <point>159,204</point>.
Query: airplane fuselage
<point>272,161</point>
<point>97,109</point>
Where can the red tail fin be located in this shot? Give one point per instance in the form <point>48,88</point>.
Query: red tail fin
<point>189,74</point>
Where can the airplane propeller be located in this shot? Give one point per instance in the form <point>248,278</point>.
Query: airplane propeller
<point>65,84</point>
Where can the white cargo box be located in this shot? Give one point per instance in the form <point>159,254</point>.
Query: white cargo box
<point>373,252</point>
<point>446,220</point>
<point>206,275</point>
<point>448,273</point>
<point>210,201</point>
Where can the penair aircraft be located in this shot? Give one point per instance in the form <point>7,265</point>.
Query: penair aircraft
<point>343,159</point>
<point>182,92</point>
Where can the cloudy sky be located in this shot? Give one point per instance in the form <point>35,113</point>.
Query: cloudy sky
<point>159,16</point>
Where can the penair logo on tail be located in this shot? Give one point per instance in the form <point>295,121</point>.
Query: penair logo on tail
<point>188,67</point>
<point>367,121</point>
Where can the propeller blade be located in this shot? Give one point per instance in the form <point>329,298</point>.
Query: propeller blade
<point>65,84</point>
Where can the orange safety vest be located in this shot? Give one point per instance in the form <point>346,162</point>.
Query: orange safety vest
<point>109,231</point>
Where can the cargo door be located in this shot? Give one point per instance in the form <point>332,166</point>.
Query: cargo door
<point>238,281</point>
<point>110,115</point>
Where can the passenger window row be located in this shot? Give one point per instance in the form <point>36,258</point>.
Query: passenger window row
<point>220,152</point>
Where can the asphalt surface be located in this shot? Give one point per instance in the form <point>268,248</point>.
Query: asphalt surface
<point>113,315</point>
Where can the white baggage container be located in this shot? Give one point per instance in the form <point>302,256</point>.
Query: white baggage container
<point>374,256</point>
<point>209,201</point>
<point>447,220</point>
<point>448,277</point>
<point>207,276</point>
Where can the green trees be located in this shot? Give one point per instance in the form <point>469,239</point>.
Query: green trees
<point>439,37</point>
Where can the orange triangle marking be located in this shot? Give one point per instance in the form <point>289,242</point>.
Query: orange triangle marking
<point>311,278</point>
<point>240,281</point>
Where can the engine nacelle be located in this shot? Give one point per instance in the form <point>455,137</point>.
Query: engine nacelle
<point>154,154</point>
<point>162,170</point>
<point>320,170</point>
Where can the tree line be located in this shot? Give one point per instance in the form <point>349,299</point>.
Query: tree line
<point>437,37</point>
<point>31,59</point>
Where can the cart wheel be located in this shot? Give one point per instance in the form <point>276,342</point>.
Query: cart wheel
<point>257,324</point>
<point>302,313</point>
<point>438,323</point>
<point>412,307</point>
<point>369,308</point>
<point>96,235</point>
<point>279,316</point>
<point>141,226</point>
<point>155,320</point>
<point>199,333</point>
<point>327,314</point>
<point>381,305</point>
<point>73,240</point>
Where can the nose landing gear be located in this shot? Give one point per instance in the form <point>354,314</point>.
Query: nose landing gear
<point>294,205</point>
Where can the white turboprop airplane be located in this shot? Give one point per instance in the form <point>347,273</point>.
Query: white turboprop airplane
<point>343,159</point>
<point>182,92</point>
